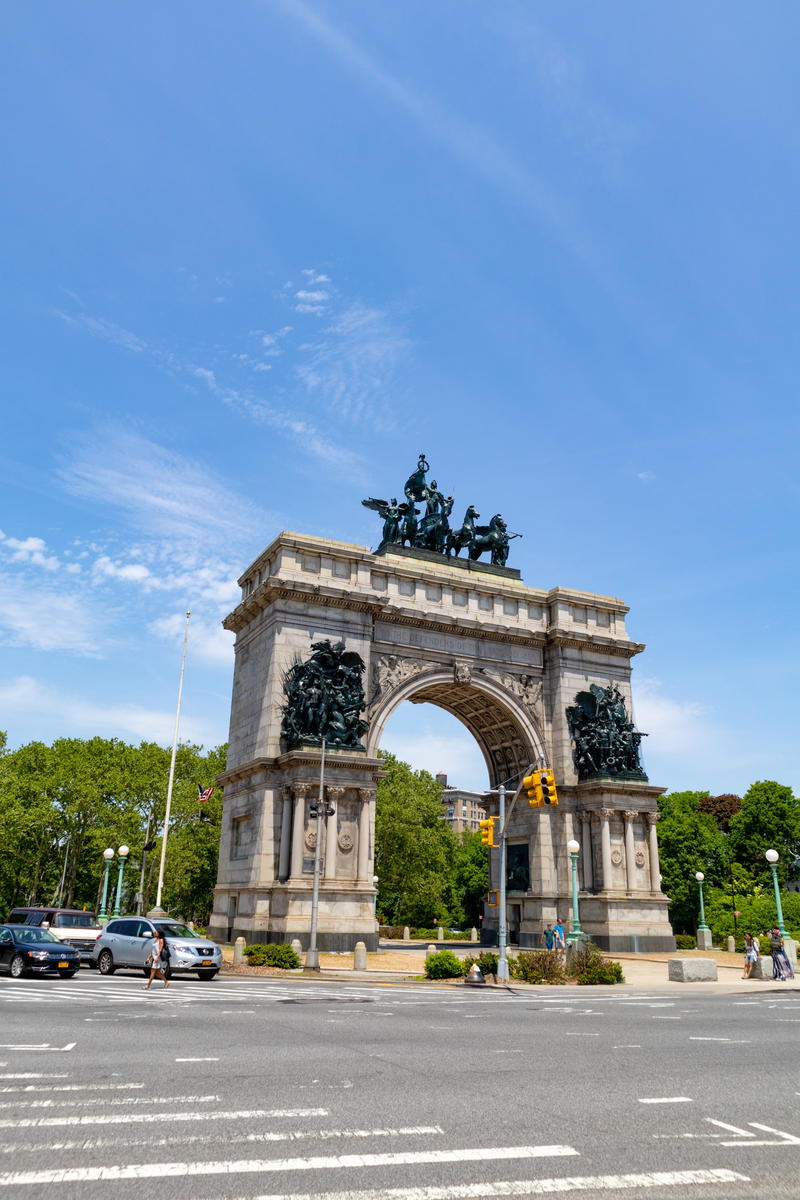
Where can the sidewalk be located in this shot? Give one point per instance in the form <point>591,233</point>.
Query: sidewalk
<point>642,972</point>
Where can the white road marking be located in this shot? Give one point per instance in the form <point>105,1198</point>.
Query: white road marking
<point>250,1166</point>
<point>784,1139</point>
<point>737,1041</point>
<point>528,1187</point>
<point>666,1100</point>
<point>628,1046</point>
<point>34,1075</point>
<point>140,1118</point>
<point>732,1128</point>
<point>196,1060</point>
<point>109,1100</point>
<point>292,1135</point>
<point>73,1087</point>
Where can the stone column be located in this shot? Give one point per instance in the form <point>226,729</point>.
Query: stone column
<point>286,835</point>
<point>301,790</point>
<point>334,797</point>
<point>605,846</point>
<point>655,867</point>
<point>586,856</point>
<point>630,860</point>
<point>367,798</point>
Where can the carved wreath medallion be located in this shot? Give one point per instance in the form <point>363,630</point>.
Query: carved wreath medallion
<point>616,857</point>
<point>345,841</point>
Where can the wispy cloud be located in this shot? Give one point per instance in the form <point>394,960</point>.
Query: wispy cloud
<point>69,712</point>
<point>32,550</point>
<point>47,619</point>
<point>208,641</point>
<point>351,366</point>
<point>645,476</point>
<point>161,492</point>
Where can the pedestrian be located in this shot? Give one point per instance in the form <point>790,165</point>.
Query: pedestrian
<point>751,954</point>
<point>779,960</point>
<point>157,961</point>
<point>549,937</point>
<point>558,936</point>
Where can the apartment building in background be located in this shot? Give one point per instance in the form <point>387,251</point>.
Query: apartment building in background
<point>461,809</point>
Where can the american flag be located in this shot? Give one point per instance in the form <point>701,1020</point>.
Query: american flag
<point>204,794</point>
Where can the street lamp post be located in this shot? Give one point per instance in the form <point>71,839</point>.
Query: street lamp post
<point>312,954</point>
<point>772,857</point>
<point>123,853</point>
<point>158,910</point>
<point>107,855</point>
<point>703,932</point>
<point>575,933</point>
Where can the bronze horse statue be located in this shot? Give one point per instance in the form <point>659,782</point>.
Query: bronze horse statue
<point>457,539</point>
<point>433,528</point>
<point>493,537</point>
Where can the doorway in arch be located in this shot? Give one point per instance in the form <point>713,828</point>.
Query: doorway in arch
<point>505,659</point>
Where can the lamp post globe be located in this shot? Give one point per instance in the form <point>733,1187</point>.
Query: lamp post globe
<point>122,853</point>
<point>699,876</point>
<point>575,932</point>
<point>107,857</point>
<point>772,857</point>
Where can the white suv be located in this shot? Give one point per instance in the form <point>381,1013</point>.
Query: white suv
<point>74,926</point>
<point>127,941</point>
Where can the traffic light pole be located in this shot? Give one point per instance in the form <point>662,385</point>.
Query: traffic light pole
<point>312,954</point>
<point>502,923</point>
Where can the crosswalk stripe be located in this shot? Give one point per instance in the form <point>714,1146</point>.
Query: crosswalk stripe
<point>249,1166</point>
<point>105,1100</point>
<point>528,1187</point>
<point>140,1118</point>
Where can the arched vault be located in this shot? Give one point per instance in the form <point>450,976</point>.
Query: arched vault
<point>502,726</point>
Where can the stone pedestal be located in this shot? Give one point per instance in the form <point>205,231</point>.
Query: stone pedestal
<point>704,939</point>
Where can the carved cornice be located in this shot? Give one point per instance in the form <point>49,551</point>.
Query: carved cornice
<point>568,639</point>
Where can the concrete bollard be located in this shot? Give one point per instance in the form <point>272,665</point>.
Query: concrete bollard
<point>406,934</point>
<point>440,934</point>
<point>297,946</point>
<point>473,934</point>
<point>238,951</point>
<point>360,957</point>
<point>431,950</point>
<point>731,945</point>
<point>691,970</point>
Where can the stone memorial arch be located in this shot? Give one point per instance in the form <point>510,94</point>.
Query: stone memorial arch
<point>533,674</point>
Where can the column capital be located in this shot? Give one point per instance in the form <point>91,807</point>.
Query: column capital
<point>606,814</point>
<point>366,794</point>
<point>630,815</point>
<point>652,817</point>
<point>336,790</point>
<point>301,790</point>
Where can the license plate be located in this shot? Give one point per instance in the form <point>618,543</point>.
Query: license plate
<point>63,964</point>
<point>205,962</point>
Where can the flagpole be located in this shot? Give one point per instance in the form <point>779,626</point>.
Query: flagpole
<point>158,910</point>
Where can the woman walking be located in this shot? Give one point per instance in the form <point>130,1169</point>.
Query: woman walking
<point>751,954</point>
<point>157,960</point>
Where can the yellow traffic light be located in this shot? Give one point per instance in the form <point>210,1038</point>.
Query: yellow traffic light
<point>547,786</point>
<point>487,831</point>
<point>531,785</point>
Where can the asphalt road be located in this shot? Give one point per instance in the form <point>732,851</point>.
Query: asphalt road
<point>306,1088</point>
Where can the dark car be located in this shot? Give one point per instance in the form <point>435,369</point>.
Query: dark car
<point>27,950</point>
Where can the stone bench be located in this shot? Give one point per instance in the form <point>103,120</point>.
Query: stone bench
<point>691,970</point>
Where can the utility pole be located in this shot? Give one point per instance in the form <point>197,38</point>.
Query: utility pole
<point>158,910</point>
<point>502,916</point>
<point>312,955</point>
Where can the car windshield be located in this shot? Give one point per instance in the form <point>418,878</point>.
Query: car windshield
<point>29,933</point>
<point>81,920</point>
<point>175,929</point>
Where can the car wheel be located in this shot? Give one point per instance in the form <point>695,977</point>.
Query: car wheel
<point>105,963</point>
<point>68,974</point>
<point>17,966</point>
<point>206,974</point>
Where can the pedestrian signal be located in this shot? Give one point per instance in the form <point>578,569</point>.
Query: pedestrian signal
<point>492,898</point>
<point>487,831</point>
<point>547,785</point>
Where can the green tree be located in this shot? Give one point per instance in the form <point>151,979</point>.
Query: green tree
<point>414,849</point>
<point>689,841</point>
<point>769,818</point>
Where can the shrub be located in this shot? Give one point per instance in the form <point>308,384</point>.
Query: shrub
<point>685,941</point>
<point>271,955</point>
<point>425,935</point>
<point>443,965</point>
<point>602,971</point>
<point>539,966</point>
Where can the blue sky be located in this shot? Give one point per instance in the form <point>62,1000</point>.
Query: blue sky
<point>259,255</point>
